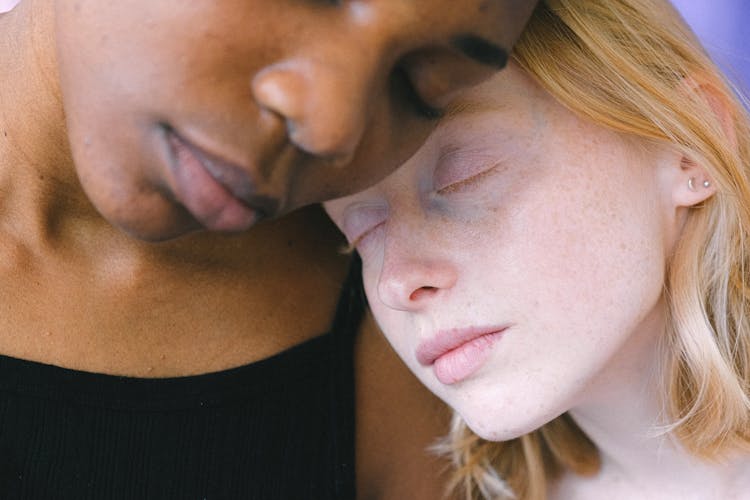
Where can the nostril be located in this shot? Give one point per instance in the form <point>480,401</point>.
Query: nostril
<point>323,105</point>
<point>422,293</point>
<point>317,138</point>
<point>280,91</point>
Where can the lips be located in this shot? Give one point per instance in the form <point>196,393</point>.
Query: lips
<point>456,354</point>
<point>219,194</point>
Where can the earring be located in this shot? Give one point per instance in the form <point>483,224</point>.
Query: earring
<point>706,184</point>
<point>691,186</point>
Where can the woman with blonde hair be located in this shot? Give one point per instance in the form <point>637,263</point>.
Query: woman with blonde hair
<point>565,263</point>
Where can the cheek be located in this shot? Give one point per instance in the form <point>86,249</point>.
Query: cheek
<point>604,247</point>
<point>575,305</point>
<point>585,235</point>
<point>582,237</point>
<point>599,276</point>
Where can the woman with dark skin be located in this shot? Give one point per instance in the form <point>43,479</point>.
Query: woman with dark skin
<point>133,134</point>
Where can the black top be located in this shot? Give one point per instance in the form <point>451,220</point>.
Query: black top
<point>280,428</point>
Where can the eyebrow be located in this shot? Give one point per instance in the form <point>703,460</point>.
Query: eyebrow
<point>481,50</point>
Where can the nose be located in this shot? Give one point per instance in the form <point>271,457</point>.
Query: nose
<point>410,281</point>
<point>322,101</point>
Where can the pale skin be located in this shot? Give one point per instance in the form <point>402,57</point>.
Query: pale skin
<point>519,216</point>
<point>82,289</point>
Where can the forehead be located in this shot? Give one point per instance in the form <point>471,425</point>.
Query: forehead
<point>490,27</point>
<point>506,108</point>
<point>468,23</point>
<point>512,87</point>
<point>498,20</point>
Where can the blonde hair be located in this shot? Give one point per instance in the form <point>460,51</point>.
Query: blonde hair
<point>634,66</point>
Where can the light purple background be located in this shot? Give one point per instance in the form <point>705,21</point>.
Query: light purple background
<point>721,24</point>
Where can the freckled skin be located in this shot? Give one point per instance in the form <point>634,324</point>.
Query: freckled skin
<point>565,241</point>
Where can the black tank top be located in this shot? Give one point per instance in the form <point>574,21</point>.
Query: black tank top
<point>280,428</point>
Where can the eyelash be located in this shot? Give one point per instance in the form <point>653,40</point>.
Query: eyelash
<point>467,182</point>
<point>351,247</point>
<point>450,188</point>
<point>406,86</point>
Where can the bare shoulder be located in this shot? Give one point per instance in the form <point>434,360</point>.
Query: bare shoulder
<point>397,420</point>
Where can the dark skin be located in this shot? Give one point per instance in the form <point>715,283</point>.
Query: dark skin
<point>305,100</point>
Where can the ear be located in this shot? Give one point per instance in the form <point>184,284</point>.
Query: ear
<point>691,184</point>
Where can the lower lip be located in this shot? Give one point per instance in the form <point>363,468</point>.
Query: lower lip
<point>204,197</point>
<point>462,362</point>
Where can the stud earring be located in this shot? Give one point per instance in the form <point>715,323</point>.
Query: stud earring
<point>706,184</point>
<point>691,186</point>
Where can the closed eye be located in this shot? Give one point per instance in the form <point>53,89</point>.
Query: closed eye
<point>467,182</point>
<point>359,240</point>
<point>359,220</point>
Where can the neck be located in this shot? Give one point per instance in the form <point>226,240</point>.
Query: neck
<point>624,415</point>
<point>38,184</point>
<point>44,208</point>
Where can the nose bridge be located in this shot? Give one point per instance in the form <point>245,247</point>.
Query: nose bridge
<point>325,90</point>
<point>413,269</point>
<point>339,90</point>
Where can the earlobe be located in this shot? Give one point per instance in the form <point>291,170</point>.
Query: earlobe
<point>692,185</point>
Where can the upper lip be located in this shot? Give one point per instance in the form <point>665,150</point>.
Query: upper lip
<point>234,178</point>
<point>446,340</point>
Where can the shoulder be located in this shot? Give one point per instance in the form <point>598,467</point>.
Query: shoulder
<point>398,419</point>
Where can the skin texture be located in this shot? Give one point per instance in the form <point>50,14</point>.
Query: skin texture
<point>301,96</point>
<point>518,215</point>
<point>62,257</point>
<point>465,241</point>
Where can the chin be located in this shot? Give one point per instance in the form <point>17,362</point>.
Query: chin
<point>506,423</point>
<point>156,228</point>
<point>494,430</point>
